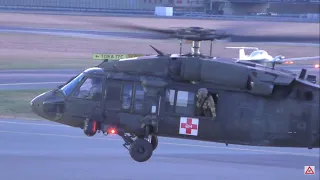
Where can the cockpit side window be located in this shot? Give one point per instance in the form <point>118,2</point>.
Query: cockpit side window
<point>256,53</point>
<point>91,89</point>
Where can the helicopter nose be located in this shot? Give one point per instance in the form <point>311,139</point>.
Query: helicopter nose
<point>36,105</point>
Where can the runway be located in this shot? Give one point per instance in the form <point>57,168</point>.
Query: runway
<point>35,79</point>
<point>40,149</point>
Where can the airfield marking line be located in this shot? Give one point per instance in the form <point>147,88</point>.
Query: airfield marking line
<point>167,143</point>
<point>35,83</point>
<point>57,135</point>
<point>36,124</point>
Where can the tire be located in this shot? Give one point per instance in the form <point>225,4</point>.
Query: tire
<point>90,128</point>
<point>144,146</point>
<point>154,142</point>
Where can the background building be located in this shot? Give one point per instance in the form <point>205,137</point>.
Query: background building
<point>236,7</point>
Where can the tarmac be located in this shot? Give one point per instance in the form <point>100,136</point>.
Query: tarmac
<point>46,150</point>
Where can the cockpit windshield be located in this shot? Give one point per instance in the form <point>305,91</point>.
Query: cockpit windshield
<point>68,88</point>
<point>257,53</point>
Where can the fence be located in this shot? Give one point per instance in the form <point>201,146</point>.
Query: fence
<point>78,4</point>
<point>125,8</point>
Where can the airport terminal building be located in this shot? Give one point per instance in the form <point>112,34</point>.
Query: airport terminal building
<point>232,7</point>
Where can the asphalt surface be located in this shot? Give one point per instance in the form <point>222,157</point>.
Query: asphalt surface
<point>35,79</point>
<point>44,150</point>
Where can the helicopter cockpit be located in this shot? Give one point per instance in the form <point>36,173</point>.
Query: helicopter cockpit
<point>91,88</point>
<point>85,86</point>
<point>69,87</point>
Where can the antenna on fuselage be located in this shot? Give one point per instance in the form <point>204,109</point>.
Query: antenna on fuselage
<point>211,48</point>
<point>157,51</point>
<point>180,47</point>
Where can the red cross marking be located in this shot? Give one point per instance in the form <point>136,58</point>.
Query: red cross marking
<point>189,126</point>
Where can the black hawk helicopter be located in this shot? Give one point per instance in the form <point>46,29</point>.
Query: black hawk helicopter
<point>165,95</point>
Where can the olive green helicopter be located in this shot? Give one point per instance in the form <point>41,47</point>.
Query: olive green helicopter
<point>191,96</point>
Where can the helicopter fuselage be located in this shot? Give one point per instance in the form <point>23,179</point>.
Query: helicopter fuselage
<point>169,95</point>
<point>128,103</point>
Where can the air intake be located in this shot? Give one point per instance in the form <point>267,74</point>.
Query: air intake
<point>312,79</point>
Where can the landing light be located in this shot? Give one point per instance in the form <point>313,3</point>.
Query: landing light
<point>316,65</point>
<point>112,131</point>
<point>288,62</point>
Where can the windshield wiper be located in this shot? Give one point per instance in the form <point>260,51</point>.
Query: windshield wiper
<point>60,86</point>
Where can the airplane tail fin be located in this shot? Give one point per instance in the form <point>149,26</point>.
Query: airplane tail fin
<point>242,54</point>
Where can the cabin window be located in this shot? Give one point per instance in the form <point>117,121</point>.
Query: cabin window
<point>127,95</point>
<point>114,91</point>
<point>139,97</point>
<point>206,103</point>
<point>180,102</point>
<point>90,89</point>
<point>169,101</point>
<point>185,102</point>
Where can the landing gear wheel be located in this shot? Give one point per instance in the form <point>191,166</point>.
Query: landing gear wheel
<point>140,150</point>
<point>154,142</point>
<point>90,127</point>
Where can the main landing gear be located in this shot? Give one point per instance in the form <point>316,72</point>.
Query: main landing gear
<point>140,148</point>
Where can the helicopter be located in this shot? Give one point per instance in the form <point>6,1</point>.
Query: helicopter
<point>146,97</point>
<point>263,57</point>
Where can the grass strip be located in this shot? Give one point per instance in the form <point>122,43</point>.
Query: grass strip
<point>16,103</point>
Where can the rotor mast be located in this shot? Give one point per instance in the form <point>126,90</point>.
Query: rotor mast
<point>195,48</point>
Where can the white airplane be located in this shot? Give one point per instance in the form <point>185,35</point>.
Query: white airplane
<point>262,57</point>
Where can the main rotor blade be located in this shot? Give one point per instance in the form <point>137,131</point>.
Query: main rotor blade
<point>142,28</point>
<point>231,33</point>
